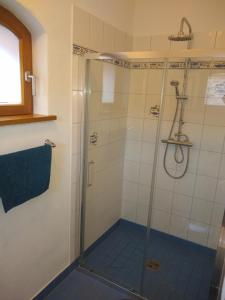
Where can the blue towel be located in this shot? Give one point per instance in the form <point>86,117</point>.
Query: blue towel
<point>24,175</point>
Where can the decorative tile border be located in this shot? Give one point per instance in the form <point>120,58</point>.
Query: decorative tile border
<point>79,50</point>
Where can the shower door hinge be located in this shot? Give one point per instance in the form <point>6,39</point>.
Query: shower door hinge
<point>31,78</point>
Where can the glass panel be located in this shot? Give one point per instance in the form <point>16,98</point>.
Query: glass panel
<point>188,202</point>
<point>155,195</point>
<point>10,81</point>
<point>115,225</point>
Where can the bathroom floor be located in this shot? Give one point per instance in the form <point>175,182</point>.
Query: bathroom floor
<point>184,272</point>
<point>80,285</point>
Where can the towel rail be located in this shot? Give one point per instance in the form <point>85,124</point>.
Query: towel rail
<point>50,143</point>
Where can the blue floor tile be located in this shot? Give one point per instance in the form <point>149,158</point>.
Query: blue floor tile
<point>185,267</point>
<point>81,286</point>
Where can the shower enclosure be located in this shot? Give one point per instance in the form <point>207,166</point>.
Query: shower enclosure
<point>153,204</point>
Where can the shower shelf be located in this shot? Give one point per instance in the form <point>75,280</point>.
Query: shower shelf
<point>174,142</point>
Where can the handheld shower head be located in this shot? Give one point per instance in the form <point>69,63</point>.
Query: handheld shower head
<point>181,36</point>
<point>175,83</point>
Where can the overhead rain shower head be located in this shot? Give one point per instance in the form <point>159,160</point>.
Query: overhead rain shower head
<point>181,36</point>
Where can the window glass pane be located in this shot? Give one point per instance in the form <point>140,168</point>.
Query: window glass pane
<point>10,81</point>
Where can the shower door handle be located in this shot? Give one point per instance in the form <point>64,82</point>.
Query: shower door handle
<point>90,173</point>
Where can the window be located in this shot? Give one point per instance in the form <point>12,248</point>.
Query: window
<point>15,60</point>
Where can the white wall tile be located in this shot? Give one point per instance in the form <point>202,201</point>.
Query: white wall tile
<point>151,101</point>
<point>160,220</point>
<point>163,200</point>
<point>197,83</point>
<point>130,191</point>
<point>131,170</point>
<point>154,82</point>
<point>76,139</point>
<point>222,167</point>
<point>179,226</point>
<point>215,116</point>
<point>145,176</point>
<point>119,41</point>
<point>136,106</point>
<point>133,150</point>
<point>213,239</point>
<point>76,164</point>
<point>129,211</point>
<point>141,43</point>
<point>213,138</point>
<point>142,215</point>
<point>96,34</point>
<point>77,107</point>
<point>138,81</point>
<point>217,214</point>
<point>181,205</point>
<point>193,161</point>
<point>220,192</point>
<point>194,132</point>
<point>209,163</point>
<point>185,185</point>
<point>134,129</point>
<point>205,187</point>
<point>143,195</point>
<point>108,38</point>
<point>147,153</point>
<point>198,233</point>
<point>160,42</point>
<point>81,30</point>
<point>149,130</point>
<point>204,40</point>
<point>201,210</point>
<point>220,39</point>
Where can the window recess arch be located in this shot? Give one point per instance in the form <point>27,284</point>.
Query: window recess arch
<point>15,26</point>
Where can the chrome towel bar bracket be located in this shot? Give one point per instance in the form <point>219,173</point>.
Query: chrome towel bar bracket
<point>50,143</point>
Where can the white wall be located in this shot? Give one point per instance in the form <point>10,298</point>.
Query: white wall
<point>37,238</point>
<point>162,17</point>
<point>34,237</point>
<point>118,13</point>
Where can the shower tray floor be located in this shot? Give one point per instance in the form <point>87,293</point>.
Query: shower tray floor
<point>185,268</point>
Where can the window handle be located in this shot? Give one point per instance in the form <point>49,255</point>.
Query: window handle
<point>31,78</point>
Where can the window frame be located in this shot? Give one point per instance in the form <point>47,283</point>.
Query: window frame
<point>10,21</point>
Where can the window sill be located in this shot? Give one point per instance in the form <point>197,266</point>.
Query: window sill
<point>22,119</point>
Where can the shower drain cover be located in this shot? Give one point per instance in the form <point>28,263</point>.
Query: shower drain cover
<point>153,265</point>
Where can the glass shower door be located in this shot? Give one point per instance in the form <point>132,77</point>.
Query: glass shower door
<point>187,196</point>
<point>113,246</point>
<point>154,174</point>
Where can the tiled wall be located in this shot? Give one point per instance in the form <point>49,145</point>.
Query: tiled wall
<point>206,40</point>
<point>103,204</point>
<point>92,33</point>
<point>190,208</point>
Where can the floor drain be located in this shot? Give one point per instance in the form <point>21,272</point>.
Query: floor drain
<point>153,265</point>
